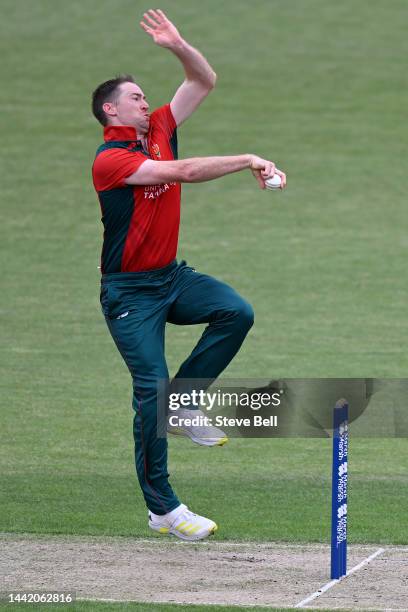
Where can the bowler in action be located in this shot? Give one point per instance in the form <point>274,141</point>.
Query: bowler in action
<point>137,176</point>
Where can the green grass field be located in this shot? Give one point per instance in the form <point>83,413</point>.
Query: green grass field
<point>317,87</point>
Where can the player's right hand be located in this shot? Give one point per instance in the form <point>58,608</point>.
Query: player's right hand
<point>263,169</point>
<point>161,29</point>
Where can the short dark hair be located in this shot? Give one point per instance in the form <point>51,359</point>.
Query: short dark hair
<point>107,92</point>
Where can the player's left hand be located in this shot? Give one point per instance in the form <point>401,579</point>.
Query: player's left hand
<point>161,29</point>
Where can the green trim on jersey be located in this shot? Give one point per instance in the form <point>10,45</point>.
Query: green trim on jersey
<point>121,144</point>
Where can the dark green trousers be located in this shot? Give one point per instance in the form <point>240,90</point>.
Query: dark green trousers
<point>136,307</point>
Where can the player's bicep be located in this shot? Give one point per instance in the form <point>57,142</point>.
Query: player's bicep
<point>187,99</point>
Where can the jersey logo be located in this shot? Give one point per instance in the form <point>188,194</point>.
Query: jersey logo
<point>156,150</point>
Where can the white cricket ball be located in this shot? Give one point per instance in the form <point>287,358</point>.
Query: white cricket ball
<point>273,183</point>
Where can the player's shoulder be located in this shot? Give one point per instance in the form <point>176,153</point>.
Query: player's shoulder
<point>114,148</point>
<point>163,117</point>
<point>113,153</point>
<point>114,163</point>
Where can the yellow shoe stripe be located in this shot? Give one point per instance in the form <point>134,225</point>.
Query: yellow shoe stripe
<point>180,527</point>
<point>192,530</point>
<point>187,528</point>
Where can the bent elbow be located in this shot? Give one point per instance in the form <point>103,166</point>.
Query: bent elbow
<point>210,82</point>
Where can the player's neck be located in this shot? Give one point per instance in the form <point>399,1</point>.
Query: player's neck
<point>143,140</point>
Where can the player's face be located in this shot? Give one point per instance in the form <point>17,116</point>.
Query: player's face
<point>132,107</point>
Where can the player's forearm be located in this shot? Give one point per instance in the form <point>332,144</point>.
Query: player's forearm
<point>201,169</point>
<point>194,63</point>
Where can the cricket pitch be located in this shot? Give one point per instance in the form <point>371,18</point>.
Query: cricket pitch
<point>211,572</point>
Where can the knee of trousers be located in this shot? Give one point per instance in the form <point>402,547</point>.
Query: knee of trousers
<point>242,313</point>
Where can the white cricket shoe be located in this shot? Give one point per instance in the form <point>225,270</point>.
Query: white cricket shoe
<point>197,426</point>
<point>182,523</point>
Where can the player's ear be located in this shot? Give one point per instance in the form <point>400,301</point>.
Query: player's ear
<point>109,108</point>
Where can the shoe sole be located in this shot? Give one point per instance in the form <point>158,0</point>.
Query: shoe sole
<point>182,536</point>
<point>200,441</point>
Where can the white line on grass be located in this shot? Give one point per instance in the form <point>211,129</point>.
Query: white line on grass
<point>332,583</point>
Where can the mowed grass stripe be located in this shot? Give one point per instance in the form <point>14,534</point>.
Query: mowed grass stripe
<point>283,493</point>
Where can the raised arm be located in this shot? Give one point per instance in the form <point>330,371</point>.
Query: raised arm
<point>199,76</point>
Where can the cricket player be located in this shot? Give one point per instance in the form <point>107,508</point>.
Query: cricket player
<point>137,176</point>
